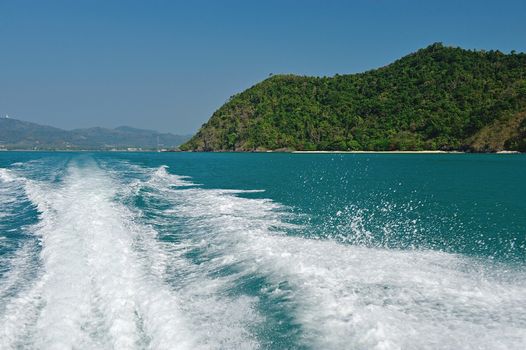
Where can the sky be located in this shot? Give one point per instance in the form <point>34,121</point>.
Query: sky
<point>168,65</point>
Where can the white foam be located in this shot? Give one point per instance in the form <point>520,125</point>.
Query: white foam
<point>356,297</point>
<point>218,320</point>
<point>95,291</point>
<point>107,282</point>
<point>161,175</point>
<point>11,191</point>
<point>6,176</point>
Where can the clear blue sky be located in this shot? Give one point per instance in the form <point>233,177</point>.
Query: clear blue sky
<point>167,65</point>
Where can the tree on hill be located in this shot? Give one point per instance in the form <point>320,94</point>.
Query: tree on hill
<point>438,98</point>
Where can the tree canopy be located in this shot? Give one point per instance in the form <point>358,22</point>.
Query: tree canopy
<point>438,98</point>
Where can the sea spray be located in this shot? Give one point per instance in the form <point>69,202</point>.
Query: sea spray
<point>95,292</point>
<point>124,253</point>
<point>347,295</point>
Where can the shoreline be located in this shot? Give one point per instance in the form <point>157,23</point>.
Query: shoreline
<point>505,152</point>
<point>404,152</point>
<point>381,152</point>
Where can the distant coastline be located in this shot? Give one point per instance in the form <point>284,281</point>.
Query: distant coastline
<point>355,152</point>
<point>89,150</point>
<point>267,151</point>
<point>23,135</point>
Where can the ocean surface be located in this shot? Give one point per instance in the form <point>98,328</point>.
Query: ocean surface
<point>262,251</point>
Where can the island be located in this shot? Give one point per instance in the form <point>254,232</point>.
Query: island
<point>436,99</point>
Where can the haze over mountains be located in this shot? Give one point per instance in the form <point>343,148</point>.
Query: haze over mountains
<point>17,134</point>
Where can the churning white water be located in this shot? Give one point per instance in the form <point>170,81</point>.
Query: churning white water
<point>356,297</point>
<point>101,277</point>
<point>94,291</point>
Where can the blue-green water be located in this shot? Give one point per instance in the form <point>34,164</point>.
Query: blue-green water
<point>270,251</point>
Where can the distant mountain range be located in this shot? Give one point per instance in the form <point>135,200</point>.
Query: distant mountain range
<point>17,134</point>
<point>438,98</point>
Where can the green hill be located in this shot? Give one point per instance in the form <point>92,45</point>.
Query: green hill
<point>438,98</point>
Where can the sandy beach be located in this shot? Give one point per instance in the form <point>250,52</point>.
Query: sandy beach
<point>408,152</point>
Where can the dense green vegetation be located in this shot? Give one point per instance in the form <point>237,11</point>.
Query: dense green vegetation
<point>438,98</point>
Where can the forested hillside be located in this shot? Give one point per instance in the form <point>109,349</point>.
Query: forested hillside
<point>438,98</point>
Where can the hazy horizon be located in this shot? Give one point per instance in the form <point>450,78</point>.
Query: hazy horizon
<point>167,66</point>
<point>94,126</point>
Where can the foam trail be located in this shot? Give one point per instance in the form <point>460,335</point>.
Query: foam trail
<point>356,297</point>
<point>95,291</point>
<point>104,279</point>
<point>218,319</point>
<point>9,193</point>
<point>15,254</point>
<point>19,256</point>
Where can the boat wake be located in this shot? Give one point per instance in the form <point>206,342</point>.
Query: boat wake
<point>94,291</point>
<point>341,295</point>
<point>125,257</point>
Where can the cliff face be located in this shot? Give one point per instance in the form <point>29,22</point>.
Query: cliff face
<point>436,98</point>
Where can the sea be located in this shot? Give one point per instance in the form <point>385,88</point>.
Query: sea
<point>110,250</point>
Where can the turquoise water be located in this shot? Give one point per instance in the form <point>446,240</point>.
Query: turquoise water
<point>269,251</point>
